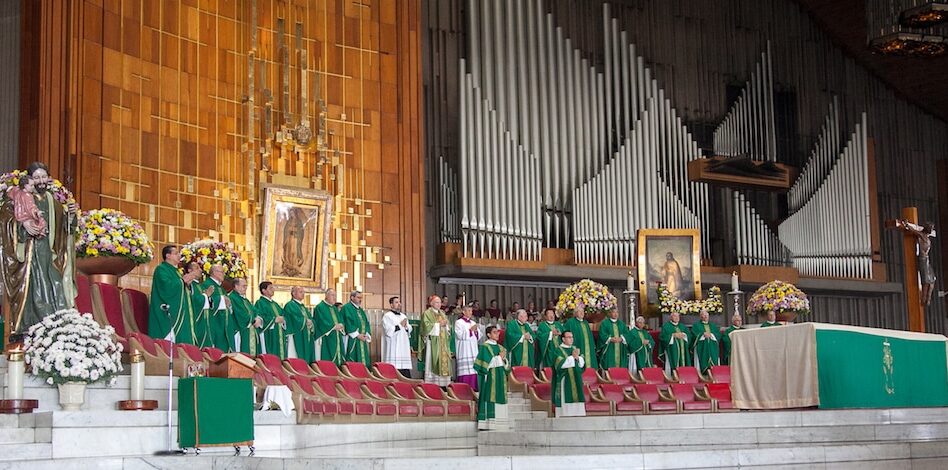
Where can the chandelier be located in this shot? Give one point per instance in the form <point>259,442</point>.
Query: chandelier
<point>907,27</point>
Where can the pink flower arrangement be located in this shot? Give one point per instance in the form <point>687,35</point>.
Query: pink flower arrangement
<point>779,296</point>
<point>108,232</point>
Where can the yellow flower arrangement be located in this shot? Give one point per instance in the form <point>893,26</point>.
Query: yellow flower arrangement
<point>209,252</point>
<point>108,232</point>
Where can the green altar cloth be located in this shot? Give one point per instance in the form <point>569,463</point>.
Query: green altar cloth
<point>837,366</point>
<point>215,412</point>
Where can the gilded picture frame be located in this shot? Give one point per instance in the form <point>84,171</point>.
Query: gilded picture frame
<point>295,243</point>
<point>672,256</point>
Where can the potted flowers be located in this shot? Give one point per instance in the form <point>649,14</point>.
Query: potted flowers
<point>595,296</point>
<point>785,299</point>
<point>207,253</point>
<point>668,303</point>
<point>71,350</point>
<point>110,245</point>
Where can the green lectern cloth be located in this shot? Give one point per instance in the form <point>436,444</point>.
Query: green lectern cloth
<point>837,366</point>
<point>215,412</point>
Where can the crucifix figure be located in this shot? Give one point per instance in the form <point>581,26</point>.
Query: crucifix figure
<point>923,236</point>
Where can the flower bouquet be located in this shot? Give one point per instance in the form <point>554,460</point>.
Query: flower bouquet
<point>68,346</point>
<point>595,296</point>
<point>208,253</point>
<point>108,232</point>
<point>782,297</point>
<point>668,303</point>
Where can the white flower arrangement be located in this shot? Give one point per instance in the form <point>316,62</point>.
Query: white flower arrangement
<point>68,346</point>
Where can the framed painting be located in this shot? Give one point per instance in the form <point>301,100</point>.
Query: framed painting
<point>672,257</point>
<point>295,243</point>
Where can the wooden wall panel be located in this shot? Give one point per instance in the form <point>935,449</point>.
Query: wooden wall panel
<point>152,120</point>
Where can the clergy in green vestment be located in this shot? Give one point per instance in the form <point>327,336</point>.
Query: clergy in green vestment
<point>737,323</point>
<point>170,315</point>
<point>771,320</point>
<point>611,344</point>
<point>673,343</point>
<point>548,338</point>
<point>245,319</point>
<point>434,343</point>
<point>274,323</point>
<point>568,366</point>
<point>518,339</point>
<point>358,330</point>
<point>199,305</point>
<point>640,345</point>
<point>705,342</point>
<point>221,323</point>
<point>491,366</point>
<point>582,335</point>
<point>299,324</point>
<point>329,330</point>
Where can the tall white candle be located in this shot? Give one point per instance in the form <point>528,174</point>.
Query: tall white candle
<point>137,388</point>
<point>15,370</point>
<point>735,285</point>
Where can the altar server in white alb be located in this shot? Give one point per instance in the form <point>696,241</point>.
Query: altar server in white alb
<point>397,350</point>
<point>466,341</point>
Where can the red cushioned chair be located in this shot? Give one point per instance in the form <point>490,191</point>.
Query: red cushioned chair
<point>541,398</point>
<point>107,307</point>
<point>687,375</point>
<point>463,409</point>
<point>212,354</point>
<point>270,362</point>
<point>407,409</point>
<point>366,406</point>
<point>156,360</point>
<point>135,310</point>
<point>431,409</point>
<point>721,374</point>
<point>622,402</point>
<point>461,391</point>
<point>298,366</point>
<point>387,372</point>
<point>83,294</point>
<point>691,401</point>
<point>596,406</point>
<point>721,394</point>
<point>326,385</point>
<point>546,375</point>
<point>521,378</point>
<point>327,369</point>
<point>654,375</point>
<point>184,356</point>
<point>621,376</point>
<point>592,379</point>
<point>358,371</point>
<point>320,404</point>
<point>657,401</point>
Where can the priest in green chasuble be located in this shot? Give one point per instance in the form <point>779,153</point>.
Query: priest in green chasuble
<point>330,330</point>
<point>582,335</point>
<point>519,340</point>
<point>674,343</point>
<point>218,304</point>
<point>274,323</point>
<point>434,343</point>
<point>705,343</point>
<point>299,325</point>
<point>200,305</point>
<point>640,346</point>
<point>491,366</point>
<point>737,323</point>
<point>548,337</point>
<point>170,315</point>
<point>611,344</point>
<point>248,323</point>
<point>358,330</point>
<point>568,367</point>
<point>771,320</point>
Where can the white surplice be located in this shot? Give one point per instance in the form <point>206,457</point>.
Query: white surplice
<point>396,350</point>
<point>466,346</point>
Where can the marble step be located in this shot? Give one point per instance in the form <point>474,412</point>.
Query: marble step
<point>15,452</point>
<point>101,396</point>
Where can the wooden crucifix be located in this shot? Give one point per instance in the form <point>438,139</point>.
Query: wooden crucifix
<point>919,273</point>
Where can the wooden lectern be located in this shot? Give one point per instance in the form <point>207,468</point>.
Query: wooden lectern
<point>233,366</point>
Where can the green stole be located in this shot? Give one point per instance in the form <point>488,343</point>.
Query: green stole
<point>244,317</point>
<point>296,317</point>
<point>612,354</point>
<point>221,332</point>
<point>706,351</point>
<point>583,339</point>
<point>521,352</point>
<point>274,334</point>
<point>492,382</point>
<point>330,349</point>
<point>640,344</point>
<point>676,353</point>
<point>571,378</point>
<point>202,325</point>
<point>355,321</point>
<point>167,288</point>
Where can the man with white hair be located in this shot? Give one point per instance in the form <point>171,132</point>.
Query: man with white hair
<point>299,326</point>
<point>737,323</point>
<point>358,330</point>
<point>217,304</point>
<point>519,340</point>
<point>705,335</point>
<point>675,339</point>
<point>640,346</point>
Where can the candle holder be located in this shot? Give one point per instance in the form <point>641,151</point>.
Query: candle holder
<point>136,390</point>
<point>734,305</point>
<point>632,297</point>
<point>14,403</point>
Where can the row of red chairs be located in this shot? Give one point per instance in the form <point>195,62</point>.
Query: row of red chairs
<point>614,399</point>
<point>522,377</point>
<point>323,392</point>
<point>126,310</point>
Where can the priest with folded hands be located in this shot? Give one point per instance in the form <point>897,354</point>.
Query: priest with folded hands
<point>217,304</point>
<point>330,331</point>
<point>491,365</point>
<point>299,325</point>
<point>548,338</point>
<point>518,338</point>
<point>737,323</point>
<point>582,335</point>
<point>274,323</point>
<point>358,330</point>
<point>705,343</point>
<point>640,346</point>
<point>248,323</point>
<point>611,345</point>
<point>674,343</point>
<point>568,367</point>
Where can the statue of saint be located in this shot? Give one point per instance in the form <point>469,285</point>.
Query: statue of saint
<point>671,275</point>
<point>37,251</point>
<point>925,270</point>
